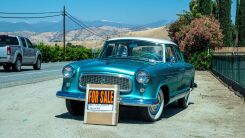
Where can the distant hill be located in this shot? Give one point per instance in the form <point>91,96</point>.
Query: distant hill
<point>57,26</point>
<point>160,32</point>
<point>72,35</point>
<point>82,37</point>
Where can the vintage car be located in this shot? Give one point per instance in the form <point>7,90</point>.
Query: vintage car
<point>151,74</point>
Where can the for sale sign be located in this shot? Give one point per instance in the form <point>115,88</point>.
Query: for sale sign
<point>102,104</point>
<point>100,100</point>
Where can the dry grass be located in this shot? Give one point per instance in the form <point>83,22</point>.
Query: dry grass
<point>161,33</point>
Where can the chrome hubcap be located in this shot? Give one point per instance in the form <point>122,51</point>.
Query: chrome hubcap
<point>187,98</point>
<point>155,108</point>
<point>38,63</point>
<point>18,64</point>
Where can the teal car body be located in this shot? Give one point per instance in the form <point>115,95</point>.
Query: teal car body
<point>170,75</point>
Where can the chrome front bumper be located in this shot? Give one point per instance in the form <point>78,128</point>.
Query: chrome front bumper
<point>123,100</point>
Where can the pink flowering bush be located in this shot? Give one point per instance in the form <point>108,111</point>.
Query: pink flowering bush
<point>201,34</point>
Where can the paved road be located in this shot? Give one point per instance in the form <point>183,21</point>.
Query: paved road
<point>28,75</point>
<point>33,111</point>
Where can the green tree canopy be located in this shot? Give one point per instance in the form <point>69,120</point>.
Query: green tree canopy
<point>241,22</point>
<point>224,16</point>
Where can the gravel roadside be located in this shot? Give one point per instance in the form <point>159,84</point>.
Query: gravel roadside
<point>32,110</point>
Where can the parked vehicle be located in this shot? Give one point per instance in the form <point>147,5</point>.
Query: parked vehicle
<point>151,74</point>
<point>17,51</point>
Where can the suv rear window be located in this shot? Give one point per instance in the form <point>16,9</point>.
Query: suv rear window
<point>8,40</point>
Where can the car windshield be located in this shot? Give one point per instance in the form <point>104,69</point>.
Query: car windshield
<point>132,49</point>
<point>8,40</point>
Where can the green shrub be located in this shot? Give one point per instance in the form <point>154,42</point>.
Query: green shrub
<point>174,28</point>
<point>201,60</point>
<point>201,34</point>
<point>55,53</point>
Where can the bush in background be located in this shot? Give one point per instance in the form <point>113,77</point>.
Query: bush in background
<point>201,34</point>
<point>55,53</point>
<point>201,60</point>
<point>174,28</point>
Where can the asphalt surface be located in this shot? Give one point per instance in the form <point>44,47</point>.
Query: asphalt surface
<point>33,111</point>
<point>28,75</point>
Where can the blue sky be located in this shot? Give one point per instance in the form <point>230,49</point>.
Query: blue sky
<point>125,11</point>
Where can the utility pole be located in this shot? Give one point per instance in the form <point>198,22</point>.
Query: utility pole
<point>64,33</point>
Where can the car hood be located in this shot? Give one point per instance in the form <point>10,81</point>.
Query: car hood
<point>121,66</point>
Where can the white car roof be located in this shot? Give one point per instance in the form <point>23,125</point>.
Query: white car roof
<point>162,41</point>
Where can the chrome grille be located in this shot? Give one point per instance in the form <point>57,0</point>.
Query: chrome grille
<point>122,81</point>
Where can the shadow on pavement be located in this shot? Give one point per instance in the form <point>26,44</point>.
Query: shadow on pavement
<point>131,115</point>
<point>69,116</point>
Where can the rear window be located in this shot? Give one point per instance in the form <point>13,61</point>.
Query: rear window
<point>8,40</point>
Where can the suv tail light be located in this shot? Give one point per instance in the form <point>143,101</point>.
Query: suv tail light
<point>9,50</point>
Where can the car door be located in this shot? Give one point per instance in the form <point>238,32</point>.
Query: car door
<point>182,69</point>
<point>188,69</point>
<point>25,59</point>
<point>31,51</point>
<point>176,70</point>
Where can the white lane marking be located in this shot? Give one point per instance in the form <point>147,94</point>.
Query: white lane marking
<point>30,73</point>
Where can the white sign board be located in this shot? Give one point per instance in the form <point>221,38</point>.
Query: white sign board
<point>102,105</point>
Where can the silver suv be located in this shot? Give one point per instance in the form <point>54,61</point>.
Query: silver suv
<point>17,51</point>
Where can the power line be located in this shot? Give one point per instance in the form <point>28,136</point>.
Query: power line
<point>79,24</point>
<point>30,17</point>
<point>86,26</point>
<point>29,12</point>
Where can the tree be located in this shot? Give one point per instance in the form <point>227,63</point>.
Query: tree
<point>205,7</point>
<point>194,8</point>
<point>201,7</point>
<point>237,12</point>
<point>224,11</point>
<point>184,20</point>
<point>201,34</point>
<point>241,23</point>
<point>215,10</point>
<point>197,38</point>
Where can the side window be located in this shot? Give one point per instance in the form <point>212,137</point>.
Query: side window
<point>23,41</point>
<point>170,54</point>
<point>122,51</point>
<point>109,51</point>
<point>29,44</point>
<point>178,53</point>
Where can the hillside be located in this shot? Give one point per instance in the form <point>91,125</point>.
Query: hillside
<point>83,37</point>
<point>160,32</point>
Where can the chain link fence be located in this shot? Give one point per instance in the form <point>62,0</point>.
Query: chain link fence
<point>230,68</point>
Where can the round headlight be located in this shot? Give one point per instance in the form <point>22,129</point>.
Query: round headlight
<point>142,77</point>
<point>68,72</point>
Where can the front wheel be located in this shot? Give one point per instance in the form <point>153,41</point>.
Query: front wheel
<point>37,65</point>
<point>154,112</point>
<point>75,108</point>
<point>17,65</point>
